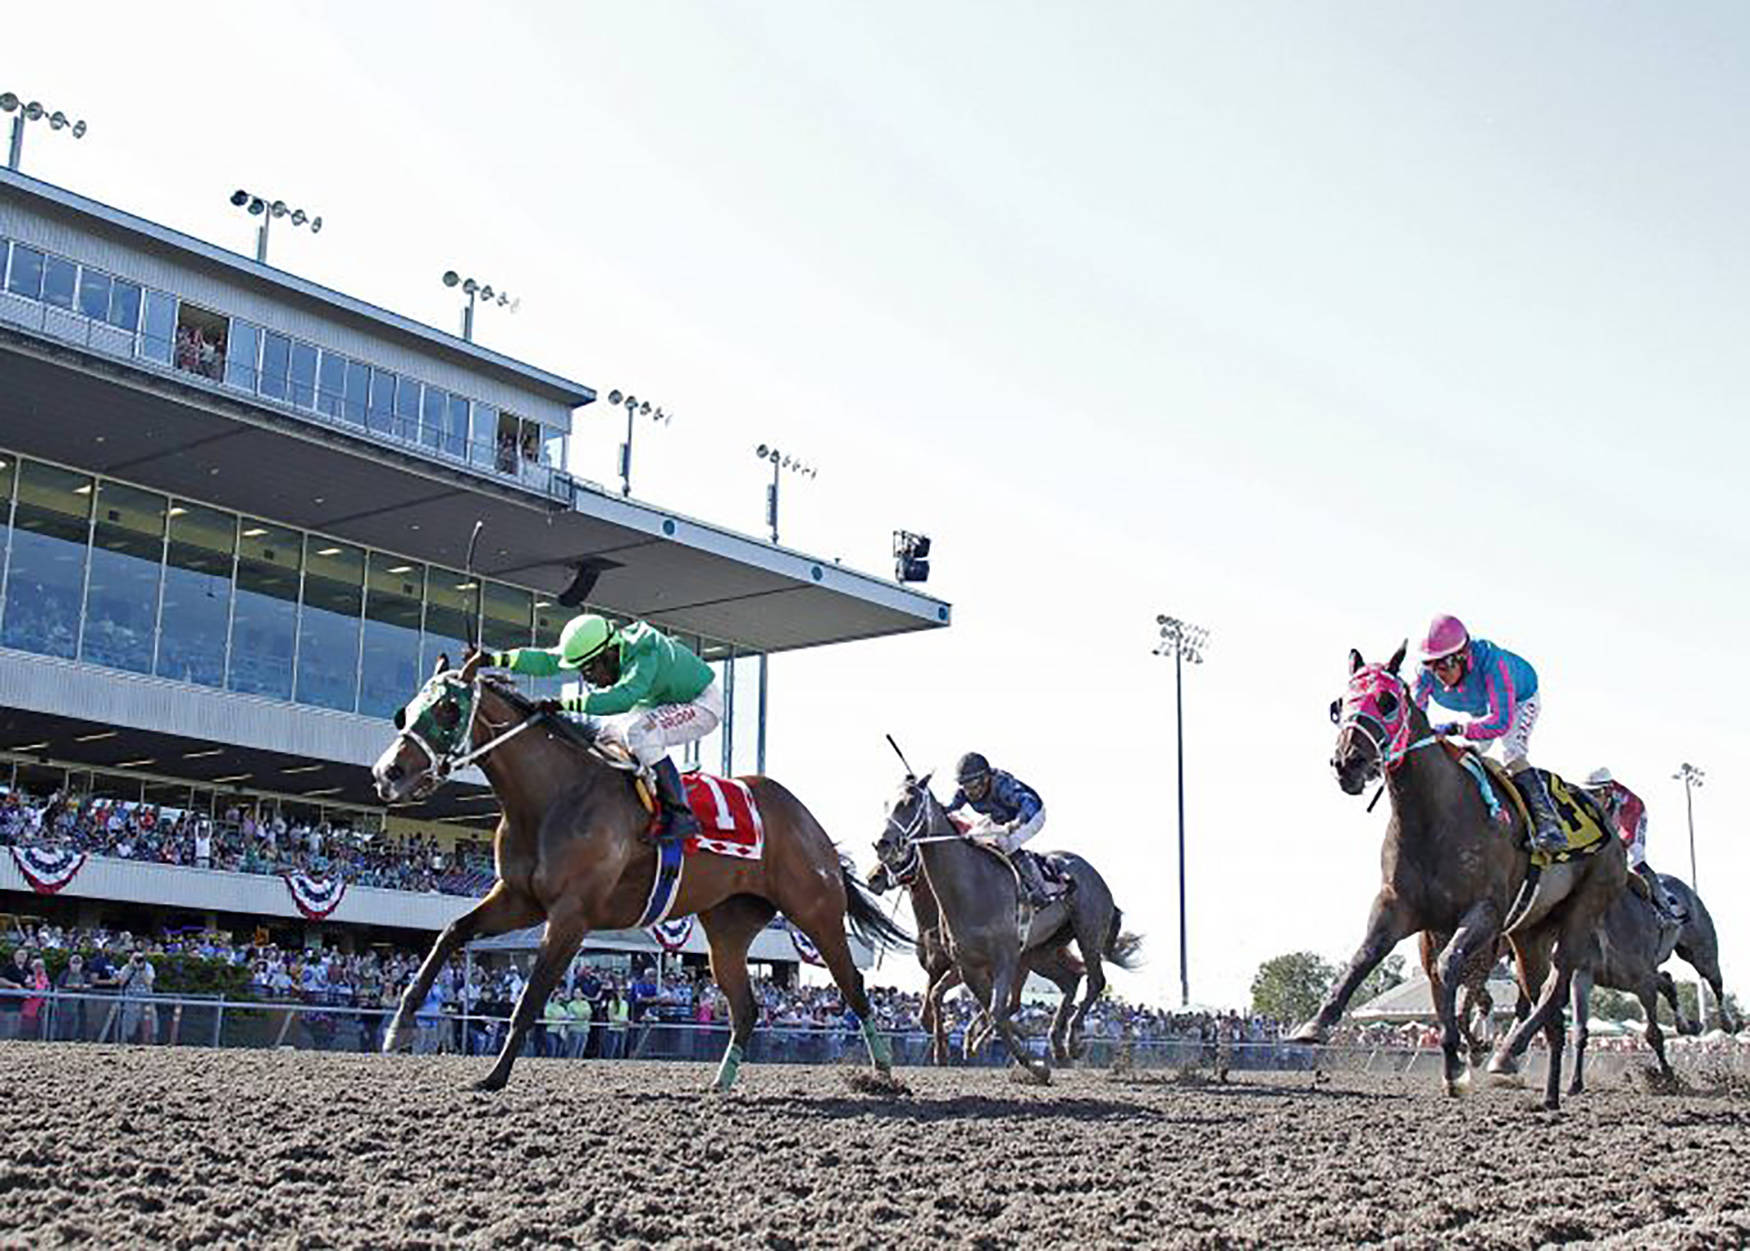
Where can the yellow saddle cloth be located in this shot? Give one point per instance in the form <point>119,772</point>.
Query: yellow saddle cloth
<point>1580,818</point>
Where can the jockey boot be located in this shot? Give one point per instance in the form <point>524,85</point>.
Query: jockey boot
<point>1658,896</point>
<point>678,821</point>
<point>1546,831</point>
<point>1032,881</point>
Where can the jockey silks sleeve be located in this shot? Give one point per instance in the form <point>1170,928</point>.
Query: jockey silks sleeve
<point>654,670</point>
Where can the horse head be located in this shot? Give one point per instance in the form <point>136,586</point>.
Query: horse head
<point>431,732</point>
<point>1373,718</point>
<point>909,817</point>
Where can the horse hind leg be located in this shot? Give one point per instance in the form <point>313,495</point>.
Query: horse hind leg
<point>829,940</point>
<point>1580,996</point>
<point>730,928</point>
<point>1648,994</point>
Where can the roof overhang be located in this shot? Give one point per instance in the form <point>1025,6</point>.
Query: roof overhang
<point>186,436</point>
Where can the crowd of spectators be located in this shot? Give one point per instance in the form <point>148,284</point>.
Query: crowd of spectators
<point>240,841</point>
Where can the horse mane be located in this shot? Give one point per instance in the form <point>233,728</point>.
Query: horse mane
<point>585,735</point>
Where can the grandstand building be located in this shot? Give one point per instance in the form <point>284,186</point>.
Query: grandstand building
<point>234,507</point>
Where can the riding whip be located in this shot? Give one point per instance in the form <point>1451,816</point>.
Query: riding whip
<point>909,771</point>
<point>468,567</point>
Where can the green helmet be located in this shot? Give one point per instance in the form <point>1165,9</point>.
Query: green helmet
<point>583,639</point>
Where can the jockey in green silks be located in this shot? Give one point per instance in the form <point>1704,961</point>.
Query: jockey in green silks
<point>656,691</point>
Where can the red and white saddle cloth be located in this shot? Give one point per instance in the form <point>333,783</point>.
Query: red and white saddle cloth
<point>728,816</point>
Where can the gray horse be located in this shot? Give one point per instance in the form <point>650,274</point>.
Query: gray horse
<point>988,923</point>
<point>1057,965</point>
<point>1632,944</point>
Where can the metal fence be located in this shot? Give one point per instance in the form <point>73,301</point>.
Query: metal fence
<point>215,1021</point>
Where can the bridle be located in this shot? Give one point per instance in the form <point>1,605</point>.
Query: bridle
<point>1389,738</point>
<point>442,763</point>
<point>912,836</point>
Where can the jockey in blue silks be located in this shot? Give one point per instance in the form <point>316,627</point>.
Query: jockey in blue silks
<point>1499,691</point>
<point>1010,812</point>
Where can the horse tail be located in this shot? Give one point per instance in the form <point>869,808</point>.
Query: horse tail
<point>1123,948</point>
<point>866,919</point>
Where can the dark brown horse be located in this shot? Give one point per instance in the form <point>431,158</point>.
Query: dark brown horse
<point>1450,867</point>
<point>571,850</point>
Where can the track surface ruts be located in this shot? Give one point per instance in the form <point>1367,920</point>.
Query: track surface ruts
<point>108,1146</point>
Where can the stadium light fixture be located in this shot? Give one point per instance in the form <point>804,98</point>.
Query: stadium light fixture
<point>476,290</point>
<point>1692,778</point>
<point>33,112</point>
<point>635,408</point>
<point>267,210</point>
<point>911,556</point>
<point>1183,642</point>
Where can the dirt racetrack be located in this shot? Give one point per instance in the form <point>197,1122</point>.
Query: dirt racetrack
<point>139,1147</point>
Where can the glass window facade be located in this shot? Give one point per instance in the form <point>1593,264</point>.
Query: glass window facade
<point>394,596</point>
<point>60,277</point>
<point>328,628</point>
<point>195,623</point>
<point>276,365</point>
<point>127,558</point>
<point>303,391</point>
<point>114,575</point>
<point>25,277</point>
<point>243,357</point>
<point>264,617</point>
<point>381,416</point>
<point>94,290</point>
<point>124,305</point>
<point>158,335</point>
<point>45,577</point>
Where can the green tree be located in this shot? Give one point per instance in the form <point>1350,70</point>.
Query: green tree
<point>1614,1005</point>
<point>1387,973</point>
<point>1289,988</point>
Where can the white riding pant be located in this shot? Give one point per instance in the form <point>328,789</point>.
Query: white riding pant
<point>1637,846</point>
<point>1008,840</point>
<point>649,732</point>
<point>1516,742</point>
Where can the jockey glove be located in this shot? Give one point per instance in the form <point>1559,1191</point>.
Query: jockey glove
<point>572,703</point>
<point>1449,729</point>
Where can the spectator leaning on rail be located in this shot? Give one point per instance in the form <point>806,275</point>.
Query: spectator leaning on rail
<point>1010,813</point>
<point>1499,692</point>
<point>1630,815</point>
<point>660,694</point>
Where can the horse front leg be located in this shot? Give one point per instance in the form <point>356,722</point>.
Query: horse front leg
<point>500,911</point>
<point>564,935</point>
<point>1476,929</point>
<point>1388,924</point>
<point>1580,998</point>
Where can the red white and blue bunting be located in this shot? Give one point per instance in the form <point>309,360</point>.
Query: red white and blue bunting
<point>805,947</point>
<point>48,869</point>
<point>315,897</point>
<point>673,934</point>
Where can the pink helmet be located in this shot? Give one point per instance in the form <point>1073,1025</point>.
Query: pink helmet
<point>1446,637</point>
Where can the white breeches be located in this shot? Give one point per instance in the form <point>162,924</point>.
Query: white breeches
<point>1008,840</point>
<point>1516,742</point>
<point>649,732</point>
<point>1637,847</point>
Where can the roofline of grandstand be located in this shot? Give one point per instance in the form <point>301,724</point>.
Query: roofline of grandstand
<point>574,393</point>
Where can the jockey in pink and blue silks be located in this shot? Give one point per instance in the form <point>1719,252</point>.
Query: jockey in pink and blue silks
<point>1499,692</point>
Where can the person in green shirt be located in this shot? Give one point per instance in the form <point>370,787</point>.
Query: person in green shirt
<point>579,1012</point>
<point>555,1018</point>
<point>657,691</point>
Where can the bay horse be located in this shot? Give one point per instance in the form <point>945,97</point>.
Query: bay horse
<point>1058,965</point>
<point>989,926</point>
<point>1451,867</point>
<point>571,849</point>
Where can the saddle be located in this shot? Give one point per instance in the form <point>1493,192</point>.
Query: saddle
<point>1583,819</point>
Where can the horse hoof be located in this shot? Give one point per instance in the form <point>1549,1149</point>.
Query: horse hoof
<point>398,1040</point>
<point>490,1084</point>
<point>1458,1087</point>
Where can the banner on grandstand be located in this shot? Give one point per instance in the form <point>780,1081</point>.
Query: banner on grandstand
<point>805,947</point>
<point>673,934</point>
<point>48,869</point>
<point>316,897</point>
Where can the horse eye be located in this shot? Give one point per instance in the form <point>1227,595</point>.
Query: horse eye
<point>445,714</point>
<point>1388,705</point>
<point>1336,710</point>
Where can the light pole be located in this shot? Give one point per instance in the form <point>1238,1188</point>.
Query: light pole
<point>1183,642</point>
<point>32,112</point>
<point>1691,777</point>
<point>781,461</point>
<point>635,408</point>
<point>267,210</point>
<point>480,290</point>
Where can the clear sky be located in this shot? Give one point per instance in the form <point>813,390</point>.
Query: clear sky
<point>1301,321</point>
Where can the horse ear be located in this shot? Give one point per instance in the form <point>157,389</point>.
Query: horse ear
<point>471,663</point>
<point>443,663</point>
<point>923,783</point>
<point>1397,657</point>
<point>1355,661</point>
<point>400,718</point>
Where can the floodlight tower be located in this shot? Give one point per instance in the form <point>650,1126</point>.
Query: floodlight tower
<point>1183,642</point>
<point>782,462</point>
<point>635,408</point>
<point>33,112</point>
<point>477,290</point>
<point>267,210</point>
<point>1692,778</point>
